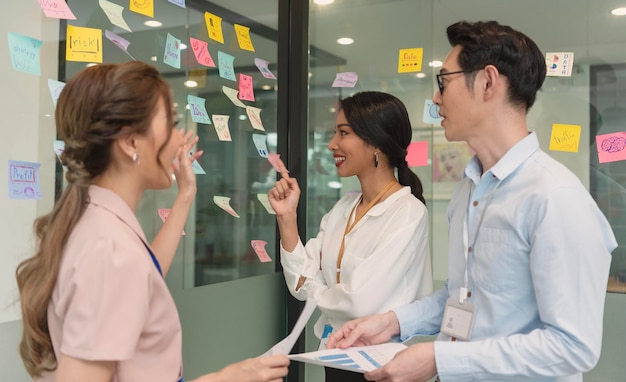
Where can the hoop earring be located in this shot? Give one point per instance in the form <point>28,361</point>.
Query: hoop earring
<point>136,158</point>
<point>376,159</point>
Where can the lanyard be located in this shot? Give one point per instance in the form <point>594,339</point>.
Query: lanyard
<point>356,220</point>
<point>158,267</point>
<point>154,259</point>
<point>470,247</point>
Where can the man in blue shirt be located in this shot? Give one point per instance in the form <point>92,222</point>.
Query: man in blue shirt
<point>529,250</point>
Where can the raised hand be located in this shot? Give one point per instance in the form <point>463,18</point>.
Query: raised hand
<point>285,194</point>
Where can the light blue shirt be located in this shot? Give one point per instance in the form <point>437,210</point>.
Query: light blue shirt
<point>537,273</point>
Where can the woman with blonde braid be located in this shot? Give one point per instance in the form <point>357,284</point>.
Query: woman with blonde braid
<point>94,303</point>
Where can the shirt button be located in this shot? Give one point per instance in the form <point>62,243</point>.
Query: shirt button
<point>469,249</point>
<point>475,203</point>
<point>469,294</point>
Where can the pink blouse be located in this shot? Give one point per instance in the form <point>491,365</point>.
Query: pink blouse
<point>110,303</point>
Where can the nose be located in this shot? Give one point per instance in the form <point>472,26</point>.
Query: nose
<point>332,145</point>
<point>437,98</point>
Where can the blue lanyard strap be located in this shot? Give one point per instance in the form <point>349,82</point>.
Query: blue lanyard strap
<point>154,259</point>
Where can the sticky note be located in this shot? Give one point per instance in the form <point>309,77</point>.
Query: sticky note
<point>214,27</point>
<point>263,198</point>
<point>57,9</point>
<point>559,64</point>
<point>431,113</point>
<point>565,137</point>
<point>417,154</point>
<point>24,180</point>
<point>226,65</point>
<point>410,60</point>
<point>221,127</point>
<point>345,80</point>
<point>83,44</point>
<point>198,110</point>
<point>259,142</point>
<point>172,52</point>
<point>259,249</point>
<point>263,66</point>
<point>611,147</point>
<point>223,202</point>
<point>114,13</point>
<point>232,94</point>
<point>144,7</point>
<point>246,92</point>
<point>254,114</point>
<point>164,213</point>
<point>25,53</point>
<point>201,51</point>
<point>243,37</point>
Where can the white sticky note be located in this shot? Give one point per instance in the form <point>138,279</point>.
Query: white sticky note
<point>263,198</point>
<point>223,202</point>
<point>254,114</point>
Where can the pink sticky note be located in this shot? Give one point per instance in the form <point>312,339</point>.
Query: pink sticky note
<point>56,9</point>
<point>246,93</point>
<point>201,51</point>
<point>273,159</point>
<point>417,154</point>
<point>259,249</point>
<point>164,213</point>
<point>611,147</point>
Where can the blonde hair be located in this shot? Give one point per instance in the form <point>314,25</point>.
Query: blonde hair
<point>97,105</point>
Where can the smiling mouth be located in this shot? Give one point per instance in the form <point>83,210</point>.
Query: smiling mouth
<point>339,160</point>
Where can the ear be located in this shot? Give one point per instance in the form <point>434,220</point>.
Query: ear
<point>127,144</point>
<point>491,82</point>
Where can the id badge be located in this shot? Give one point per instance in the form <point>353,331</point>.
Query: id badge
<point>458,319</point>
<point>324,341</point>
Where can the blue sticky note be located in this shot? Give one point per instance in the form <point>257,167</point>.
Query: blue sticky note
<point>198,110</point>
<point>25,52</point>
<point>431,113</point>
<point>172,52</point>
<point>24,180</point>
<point>226,65</point>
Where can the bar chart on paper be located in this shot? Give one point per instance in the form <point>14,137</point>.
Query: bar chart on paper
<point>358,359</point>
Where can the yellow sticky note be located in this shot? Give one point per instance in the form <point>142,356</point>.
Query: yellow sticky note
<point>243,37</point>
<point>144,7</point>
<point>214,27</point>
<point>410,60</point>
<point>565,137</point>
<point>83,44</point>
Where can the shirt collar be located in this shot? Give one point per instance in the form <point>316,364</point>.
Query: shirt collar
<point>511,160</point>
<point>110,201</point>
<point>379,208</point>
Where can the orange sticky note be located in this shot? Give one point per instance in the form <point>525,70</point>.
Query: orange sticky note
<point>214,27</point>
<point>565,137</point>
<point>144,7</point>
<point>410,60</point>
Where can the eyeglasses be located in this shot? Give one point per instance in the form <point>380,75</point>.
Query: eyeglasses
<point>440,83</point>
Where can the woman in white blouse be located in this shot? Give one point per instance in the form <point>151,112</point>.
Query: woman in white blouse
<point>371,253</point>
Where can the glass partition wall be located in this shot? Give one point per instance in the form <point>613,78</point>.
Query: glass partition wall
<point>591,97</point>
<point>210,67</point>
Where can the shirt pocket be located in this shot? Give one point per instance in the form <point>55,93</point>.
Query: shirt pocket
<point>500,262</point>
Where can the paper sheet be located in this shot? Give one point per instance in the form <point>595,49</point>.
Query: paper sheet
<point>358,359</point>
<point>285,346</point>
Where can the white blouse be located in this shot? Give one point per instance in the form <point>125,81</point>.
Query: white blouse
<point>386,260</point>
